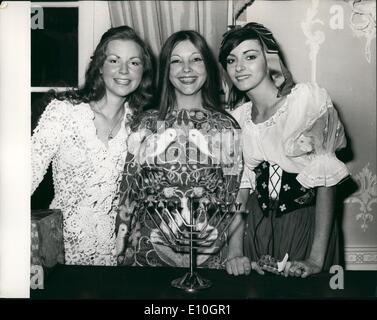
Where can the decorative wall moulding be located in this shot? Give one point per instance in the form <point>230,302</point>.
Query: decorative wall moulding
<point>361,258</point>
<point>314,38</point>
<point>363,23</point>
<point>365,198</point>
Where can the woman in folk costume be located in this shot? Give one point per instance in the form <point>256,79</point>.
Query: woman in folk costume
<point>290,133</point>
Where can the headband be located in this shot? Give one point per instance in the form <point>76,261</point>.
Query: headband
<point>280,74</point>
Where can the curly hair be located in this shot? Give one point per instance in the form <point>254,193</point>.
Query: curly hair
<point>94,87</point>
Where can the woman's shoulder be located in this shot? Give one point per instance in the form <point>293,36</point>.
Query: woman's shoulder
<point>59,107</point>
<point>308,98</point>
<point>60,113</point>
<point>309,90</point>
<point>241,112</point>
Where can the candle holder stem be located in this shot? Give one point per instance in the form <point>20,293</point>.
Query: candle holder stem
<point>191,281</point>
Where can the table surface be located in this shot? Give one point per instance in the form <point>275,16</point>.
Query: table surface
<point>136,283</point>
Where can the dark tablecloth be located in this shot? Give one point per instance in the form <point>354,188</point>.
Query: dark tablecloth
<point>94,282</point>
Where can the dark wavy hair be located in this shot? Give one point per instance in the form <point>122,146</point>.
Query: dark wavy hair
<point>211,88</point>
<point>94,87</point>
<point>231,40</point>
<point>253,31</point>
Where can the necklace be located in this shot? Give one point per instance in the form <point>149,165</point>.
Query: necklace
<point>110,134</point>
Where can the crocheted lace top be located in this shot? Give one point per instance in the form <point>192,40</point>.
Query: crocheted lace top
<point>86,176</point>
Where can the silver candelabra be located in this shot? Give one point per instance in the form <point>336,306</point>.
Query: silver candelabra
<point>191,225</point>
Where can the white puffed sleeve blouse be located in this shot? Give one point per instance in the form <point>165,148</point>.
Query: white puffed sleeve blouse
<point>301,137</point>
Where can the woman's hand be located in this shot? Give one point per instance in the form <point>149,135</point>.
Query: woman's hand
<point>242,265</point>
<point>324,215</point>
<point>238,265</point>
<point>302,268</point>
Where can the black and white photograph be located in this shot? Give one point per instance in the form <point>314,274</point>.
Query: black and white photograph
<point>186,151</point>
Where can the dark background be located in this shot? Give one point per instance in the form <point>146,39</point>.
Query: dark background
<point>54,63</point>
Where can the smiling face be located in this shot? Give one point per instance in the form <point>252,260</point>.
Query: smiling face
<point>122,69</point>
<point>246,65</point>
<point>187,70</point>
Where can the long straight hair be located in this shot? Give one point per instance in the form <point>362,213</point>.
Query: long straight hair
<point>211,88</point>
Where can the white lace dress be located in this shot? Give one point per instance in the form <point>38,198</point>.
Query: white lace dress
<point>86,177</point>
